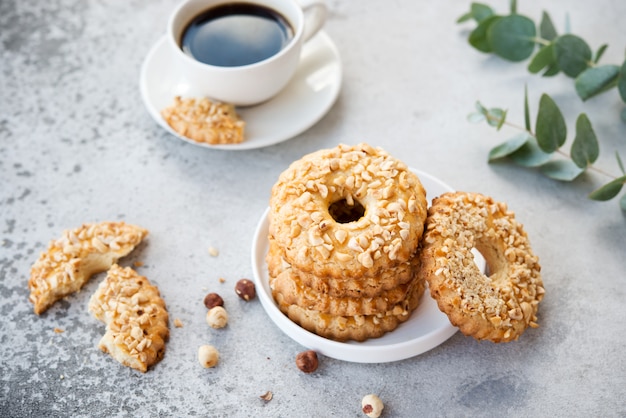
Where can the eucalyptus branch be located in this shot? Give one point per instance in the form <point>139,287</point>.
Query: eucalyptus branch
<point>496,120</point>
<point>515,38</point>
<point>536,148</point>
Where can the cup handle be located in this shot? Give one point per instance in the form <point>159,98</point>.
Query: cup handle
<point>315,13</point>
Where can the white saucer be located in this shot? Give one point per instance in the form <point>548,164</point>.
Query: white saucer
<point>308,96</point>
<point>427,328</point>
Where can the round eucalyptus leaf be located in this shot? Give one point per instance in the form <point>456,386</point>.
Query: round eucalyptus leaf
<point>542,59</point>
<point>562,170</point>
<point>512,37</point>
<point>475,117</point>
<point>509,147</point>
<point>552,70</point>
<point>496,117</point>
<point>572,54</point>
<point>585,148</point>
<point>550,128</point>
<point>480,108</point>
<point>480,11</point>
<point>609,190</point>
<point>546,27</point>
<point>595,80</point>
<point>530,155</point>
<point>478,37</point>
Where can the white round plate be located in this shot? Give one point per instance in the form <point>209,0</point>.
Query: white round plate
<point>308,96</point>
<point>426,329</point>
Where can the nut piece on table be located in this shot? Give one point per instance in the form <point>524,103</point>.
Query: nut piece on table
<point>212,300</point>
<point>208,356</point>
<point>245,289</point>
<point>307,361</point>
<point>267,396</point>
<point>217,317</point>
<point>372,405</point>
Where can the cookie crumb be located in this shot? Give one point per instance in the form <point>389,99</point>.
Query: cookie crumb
<point>58,330</point>
<point>267,396</point>
<point>213,252</point>
<point>178,323</point>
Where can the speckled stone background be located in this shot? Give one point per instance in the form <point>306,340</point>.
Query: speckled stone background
<point>77,145</point>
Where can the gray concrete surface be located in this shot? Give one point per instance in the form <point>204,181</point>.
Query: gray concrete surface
<point>77,145</point>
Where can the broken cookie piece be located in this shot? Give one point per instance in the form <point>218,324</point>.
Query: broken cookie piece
<point>205,121</point>
<point>71,260</point>
<point>135,315</point>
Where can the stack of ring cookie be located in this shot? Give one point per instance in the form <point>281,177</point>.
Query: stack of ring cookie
<point>345,225</point>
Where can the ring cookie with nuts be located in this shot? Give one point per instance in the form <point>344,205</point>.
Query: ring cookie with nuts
<point>355,327</point>
<point>388,280</point>
<point>347,212</point>
<point>498,307</point>
<point>135,316</point>
<point>71,260</point>
<point>287,281</point>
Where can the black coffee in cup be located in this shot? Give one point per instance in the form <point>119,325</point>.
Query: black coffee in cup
<point>236,34</point>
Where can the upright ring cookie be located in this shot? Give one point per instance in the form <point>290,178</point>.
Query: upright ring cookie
<point>498,307</point>
<point>347,212</point>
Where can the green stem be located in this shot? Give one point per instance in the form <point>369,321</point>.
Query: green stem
<point>559,151</point>
<point>541,41</point>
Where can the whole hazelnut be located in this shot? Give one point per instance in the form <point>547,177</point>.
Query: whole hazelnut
<point>307,361</point>
<point>208,356</point>
<point>245,289</point>
<point>212,300</point>
<point>372,405</point>
<point>217,317</point>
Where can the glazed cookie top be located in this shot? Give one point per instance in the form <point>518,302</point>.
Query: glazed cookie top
<point>347,212</point>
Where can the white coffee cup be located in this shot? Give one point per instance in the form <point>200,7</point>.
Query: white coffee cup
<point>250,84</point>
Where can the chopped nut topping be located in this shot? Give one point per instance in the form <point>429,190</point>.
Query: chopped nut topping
<point>391,198</point>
